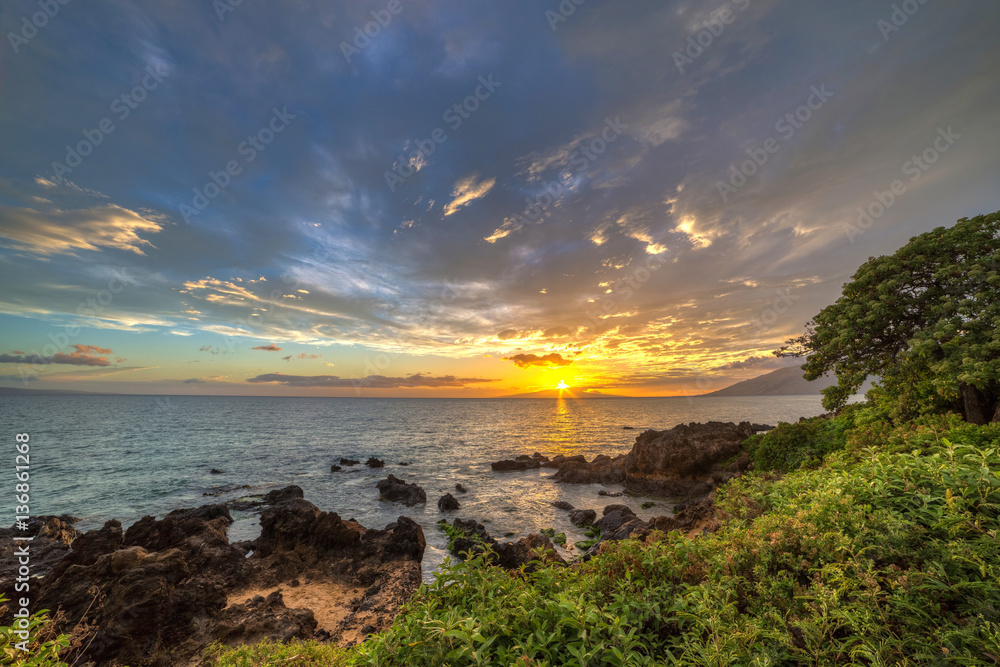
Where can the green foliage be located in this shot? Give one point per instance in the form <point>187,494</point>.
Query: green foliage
<point>43,646</point>
<point>269,654</point>
<point>877,557</point>
<point>925,319</point>
<point>557,538</point>
<point>801,445</point>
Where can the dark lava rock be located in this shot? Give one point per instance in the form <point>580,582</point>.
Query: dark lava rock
<point>508,555</point>
<point>216,471</point>
<point>563,505</point>
<point>514,465</point>
<point>608,509</point>
<point>405,463</point>
<point>53,535</point>
<point>447,503</point>
<point>373,462</point>
<point>602,470</point>
<point>158,595</point>
<point>610,494</point>
<point>460,488</point>
<point>692,518</point>
<point>559,460</point>
<point>335,468</point>
<point>349,462</point>
<point>628,428</point>
<point>685,460</point>
<point>394,489</point>
<point>758,428</point>
<point>582,517</point>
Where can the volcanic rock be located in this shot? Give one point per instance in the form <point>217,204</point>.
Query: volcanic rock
<point>582,517</point>
<point>447,503</point>
<point>394,489</point>
<point>602,470</point>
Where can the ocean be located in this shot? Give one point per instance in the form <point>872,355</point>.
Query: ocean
<point>124,457</point>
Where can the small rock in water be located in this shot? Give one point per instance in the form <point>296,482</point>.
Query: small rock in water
<point>393,489</point>
<point>375,463</point>
<point>216,471</point>
<point>447,503</point>
<point>349,462</point>
<point>460,488</point>
<point>647,505</point>
<point>611,494</point>
<point>404,463</point>
<point>628,428</point>
<point>582,517</point>
<point>335,468</point>
<point>563,505</point>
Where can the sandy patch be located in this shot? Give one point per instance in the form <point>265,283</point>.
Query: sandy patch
<point>330,602</point>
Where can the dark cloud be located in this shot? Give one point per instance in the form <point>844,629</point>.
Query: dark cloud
<point>528,360</point>
<point>194,381</point>
<point>370,382</point>
<point>74,359</point>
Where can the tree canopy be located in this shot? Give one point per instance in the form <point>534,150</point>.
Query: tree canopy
<point>925,320</point>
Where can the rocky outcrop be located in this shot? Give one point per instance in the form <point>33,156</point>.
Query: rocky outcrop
<point>559,460</point>
<point>602,470</point>
<point>373,462</point>
<point>525,552</point>
<point>349,462</point>
<point>395,490</point>
<point>158,593</point>
<point>687,460</point>
<point>563,505</point>
<point>52,538</point>
<point>582,517</point>
<point>448,503</point>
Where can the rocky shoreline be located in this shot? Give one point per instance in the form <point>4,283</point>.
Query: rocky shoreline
<point>162,590</point>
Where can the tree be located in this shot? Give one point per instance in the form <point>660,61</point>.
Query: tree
<point>925,320</point>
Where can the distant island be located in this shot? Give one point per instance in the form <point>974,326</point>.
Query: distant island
<point>782,382</point>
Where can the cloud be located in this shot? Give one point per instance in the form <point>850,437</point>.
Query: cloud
<point>528,360</point>
<point>74,359</point>
<point>466,191</point>
<point>18,378</point>
<point>268,348</point>
<point>57,231</point>
<point>92,348</point>
<point>194,381</point>
<point>370,382</point>
<point>761,362</point>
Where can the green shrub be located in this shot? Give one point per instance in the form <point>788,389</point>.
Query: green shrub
<point>44,645</point>
<point>270,654</point>
<point>801,445</point>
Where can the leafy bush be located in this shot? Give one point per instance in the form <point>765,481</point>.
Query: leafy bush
<point>43,646</point>
<point>801,445</point>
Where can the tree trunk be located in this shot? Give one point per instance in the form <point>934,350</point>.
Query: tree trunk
<point>996,415</point>
<point>974,405</point>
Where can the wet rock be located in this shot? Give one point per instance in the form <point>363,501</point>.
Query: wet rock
<point>610,494</point>
<point>447,503</point>
<point>608,509</point>
<point>460,488</point>
<point>349,462</point>
<point>373,462</point>
<point>216,471</point>
<point>685,460</point>
<point>614,519</point>
<point>582,517</point>
<point>394,489</point>
<point>405,463</point>
<point>335,468</point>
<point>628,428</point>
<point>515,465</point>
<point>509,555</point>
<point>563,505</point>
<point>559,460</point>
<point>602,470</point>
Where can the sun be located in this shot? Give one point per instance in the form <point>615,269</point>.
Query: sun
<point>562,385</point>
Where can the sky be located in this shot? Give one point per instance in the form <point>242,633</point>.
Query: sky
<point>475,199</point>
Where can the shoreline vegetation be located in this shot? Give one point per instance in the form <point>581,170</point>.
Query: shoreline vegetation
<point>869,535</point>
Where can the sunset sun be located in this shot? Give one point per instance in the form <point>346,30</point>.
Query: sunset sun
<point>562,385</point>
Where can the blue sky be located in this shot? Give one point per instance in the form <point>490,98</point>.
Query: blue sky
<point>587,214</point>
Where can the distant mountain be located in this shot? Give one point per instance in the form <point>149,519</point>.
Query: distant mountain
<point>782,382</point>
<point>565,393</point>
